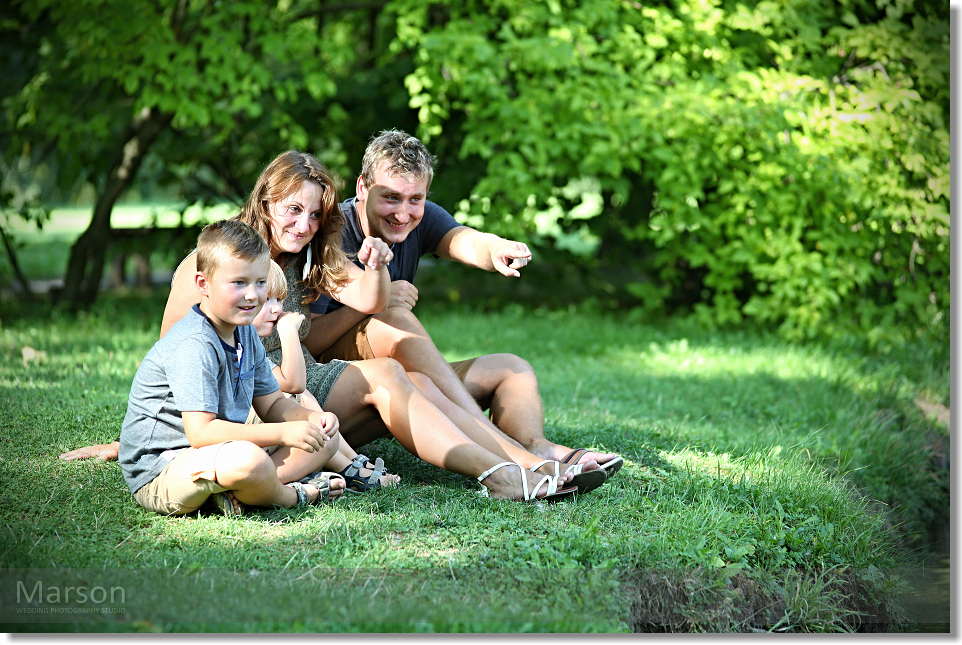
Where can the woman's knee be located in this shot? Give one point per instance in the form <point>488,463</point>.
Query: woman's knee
<point>382,369</point>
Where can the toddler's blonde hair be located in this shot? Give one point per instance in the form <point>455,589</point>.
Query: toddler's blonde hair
<point>276,282</point>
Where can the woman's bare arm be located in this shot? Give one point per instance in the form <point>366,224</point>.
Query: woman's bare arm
<point>183,293</point>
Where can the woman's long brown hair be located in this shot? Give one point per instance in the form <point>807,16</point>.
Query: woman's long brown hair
<point>282,177</point>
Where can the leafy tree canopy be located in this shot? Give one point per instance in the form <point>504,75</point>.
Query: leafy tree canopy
<point>783,161</point>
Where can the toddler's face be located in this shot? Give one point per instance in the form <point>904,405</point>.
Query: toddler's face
<point>267,318</point>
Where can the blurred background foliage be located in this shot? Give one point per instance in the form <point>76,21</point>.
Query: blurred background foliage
<point>781,162</point>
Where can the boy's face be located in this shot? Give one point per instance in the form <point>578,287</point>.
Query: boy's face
<point>234,294</point>
<point>266,320</point>
<point>392,207</point>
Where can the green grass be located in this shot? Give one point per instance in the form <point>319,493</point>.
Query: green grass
<point>747,500</point>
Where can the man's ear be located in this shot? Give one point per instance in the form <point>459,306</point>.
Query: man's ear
<point>360,189</point>
<point>201,281</point>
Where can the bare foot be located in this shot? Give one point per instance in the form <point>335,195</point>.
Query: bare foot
<point>104,451</point>
<point>336,485</point>
<point>589,459</point>
<point>553,467</point>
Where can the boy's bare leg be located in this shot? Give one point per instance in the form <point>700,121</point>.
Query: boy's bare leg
<point>251,475</point>
<point>345,453</point>
<point>417,424</point>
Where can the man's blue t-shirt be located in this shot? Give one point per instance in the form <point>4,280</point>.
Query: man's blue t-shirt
<point>190,369</point>
<point>424,239</point>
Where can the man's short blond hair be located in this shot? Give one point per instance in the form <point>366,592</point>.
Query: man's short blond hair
<point>276,282</point>
<point>402,156</point>
<point>226,239</point>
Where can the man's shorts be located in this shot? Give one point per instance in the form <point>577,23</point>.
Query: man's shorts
<point>352,346</point>
<point>355,346</point>
<point>185,484</point>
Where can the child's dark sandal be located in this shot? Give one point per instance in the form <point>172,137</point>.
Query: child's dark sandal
<point>358,484</point>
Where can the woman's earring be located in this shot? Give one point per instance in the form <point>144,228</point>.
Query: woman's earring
<point>307,265</point>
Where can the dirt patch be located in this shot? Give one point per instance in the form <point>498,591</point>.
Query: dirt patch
<point>933,410</point>
<point>695,601</point>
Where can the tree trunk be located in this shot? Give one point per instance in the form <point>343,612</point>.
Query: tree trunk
<point>85,268</point>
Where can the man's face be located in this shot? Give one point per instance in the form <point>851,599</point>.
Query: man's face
<point>392,207</point>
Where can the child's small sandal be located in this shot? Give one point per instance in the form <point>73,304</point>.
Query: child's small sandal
<point>358,484</point>
<point>321,481</point>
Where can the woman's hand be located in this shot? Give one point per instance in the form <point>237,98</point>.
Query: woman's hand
<point>375,253</point>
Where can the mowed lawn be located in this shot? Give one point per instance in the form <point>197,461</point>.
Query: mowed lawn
<point>767,486</point>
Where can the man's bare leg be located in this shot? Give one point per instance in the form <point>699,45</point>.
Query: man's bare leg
<point>397,333</point>
<point>507,385</point>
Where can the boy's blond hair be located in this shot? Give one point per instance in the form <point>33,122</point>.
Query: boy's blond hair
<point>220,241</point>
<point>276,282</point>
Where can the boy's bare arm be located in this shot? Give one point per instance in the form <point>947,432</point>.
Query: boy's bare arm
<point>279,410</point>
<point>291,374</point>
<point>297,430</point>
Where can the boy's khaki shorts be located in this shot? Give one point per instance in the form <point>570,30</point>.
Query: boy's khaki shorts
<point>185,484</point>
<point>355,346</point>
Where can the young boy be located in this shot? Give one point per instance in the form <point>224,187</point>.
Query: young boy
<point>183,437</point>
<point>291,375</point>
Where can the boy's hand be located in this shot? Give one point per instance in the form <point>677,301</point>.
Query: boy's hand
<point>326,421</point>
<point>304,435</point>
<point>374,253</point>
<point>289,321</point>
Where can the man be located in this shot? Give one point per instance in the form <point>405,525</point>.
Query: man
<point>391,203</point>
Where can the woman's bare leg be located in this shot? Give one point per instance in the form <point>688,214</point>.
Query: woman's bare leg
<point>482,433</point>
<point>418,424</point>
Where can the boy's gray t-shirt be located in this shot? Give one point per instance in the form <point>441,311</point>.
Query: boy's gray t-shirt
<point>188,370</point>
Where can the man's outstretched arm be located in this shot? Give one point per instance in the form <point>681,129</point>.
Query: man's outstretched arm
<point>484,251</point>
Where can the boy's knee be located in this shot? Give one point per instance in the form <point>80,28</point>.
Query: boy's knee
<point>238,461</point>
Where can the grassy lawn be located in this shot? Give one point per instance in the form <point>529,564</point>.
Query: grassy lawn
<point>767,487</point>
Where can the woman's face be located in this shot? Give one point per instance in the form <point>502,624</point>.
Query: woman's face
<point>295,219</point>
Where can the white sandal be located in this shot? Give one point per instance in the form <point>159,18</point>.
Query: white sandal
<point>584,480</point>
<point>553,494</point>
